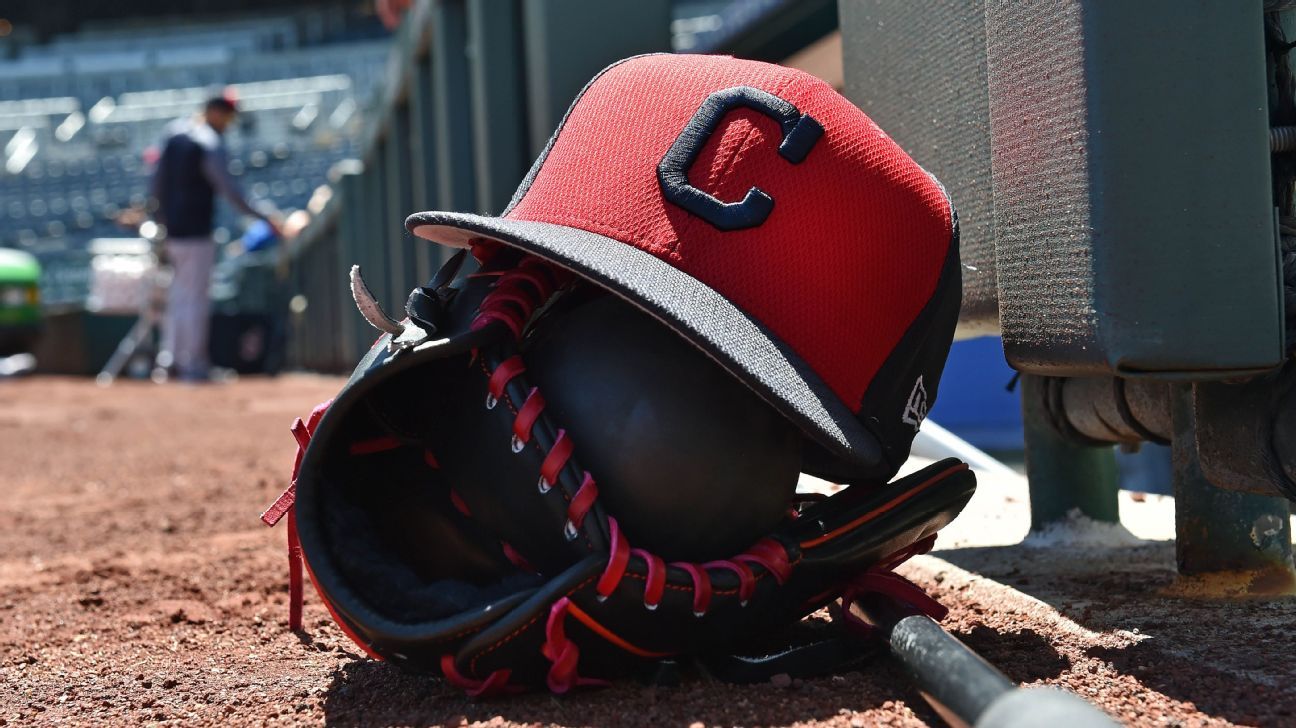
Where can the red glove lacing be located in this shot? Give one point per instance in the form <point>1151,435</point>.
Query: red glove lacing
<point>284,505</point>
<point>518,293</point>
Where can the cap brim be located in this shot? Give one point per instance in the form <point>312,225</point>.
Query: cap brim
<point>710,321</point>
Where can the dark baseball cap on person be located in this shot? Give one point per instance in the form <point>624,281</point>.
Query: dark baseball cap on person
<point>762,216</point>
<point>225,101</point>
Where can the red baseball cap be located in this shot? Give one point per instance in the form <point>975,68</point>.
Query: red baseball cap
<point>765,218</point>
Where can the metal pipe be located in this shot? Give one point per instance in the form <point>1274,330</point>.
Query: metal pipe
<point>958,683</point>
<point>1114,410</point>
<point>1065,470</point>
<point>1282,138</point>
<point>1225,531</point>
<point>1245,441</point>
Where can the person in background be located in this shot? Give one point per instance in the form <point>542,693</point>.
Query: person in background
<point>192,169</point>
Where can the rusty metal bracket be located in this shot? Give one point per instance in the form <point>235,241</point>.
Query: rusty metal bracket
<point>1246,433</point>
<point>1228,543</point>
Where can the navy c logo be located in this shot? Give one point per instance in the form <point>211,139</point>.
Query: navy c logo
<point>800,132</point>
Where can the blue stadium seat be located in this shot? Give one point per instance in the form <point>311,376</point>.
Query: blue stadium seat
<point>293,71</point>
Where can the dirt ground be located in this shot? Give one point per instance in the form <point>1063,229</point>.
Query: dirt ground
<point>138,586</point>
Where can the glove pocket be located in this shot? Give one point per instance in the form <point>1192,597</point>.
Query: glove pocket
<point>403,568</point>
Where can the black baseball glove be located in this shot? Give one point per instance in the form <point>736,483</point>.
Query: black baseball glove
<point>530,481</point>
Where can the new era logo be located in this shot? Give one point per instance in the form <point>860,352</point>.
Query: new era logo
<point>915,410</point>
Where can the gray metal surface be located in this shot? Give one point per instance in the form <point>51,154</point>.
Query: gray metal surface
<point>1039,153</point>
<point>374,254</point>
<point>1111,165</point>
<point>568,41</point>
<point>399,200</point>
<point>1133,217</point>
<point>919,70</point>
<point>346,181</point>
<point>456,181</point>
<point>769,30</point>
<point>422,151</point>
<point>498,87</point>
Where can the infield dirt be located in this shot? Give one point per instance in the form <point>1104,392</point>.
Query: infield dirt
<point>138,586</point>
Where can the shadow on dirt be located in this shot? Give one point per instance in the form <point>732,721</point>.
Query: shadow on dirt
<point>1080,586</point>
<point>1024,656</point>
<point>374,693</point>
<point>1231,658</point>
<point>1215,692</point>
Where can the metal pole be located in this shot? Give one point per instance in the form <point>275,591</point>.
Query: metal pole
<point>959,684</point>
<point>500,154</point>
<point>451,108</point>
<point>399,204</point>
<point>568,41</point>
<point>1223,531</point>
<point>376,249</point>
<point>1063,476</point>
<point>355,236</point>
<point>423,170</point>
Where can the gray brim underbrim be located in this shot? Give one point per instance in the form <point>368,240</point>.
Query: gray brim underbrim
<point>740,344</point>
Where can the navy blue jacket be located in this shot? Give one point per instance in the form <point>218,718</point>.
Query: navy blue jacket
<point>191,170</point>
